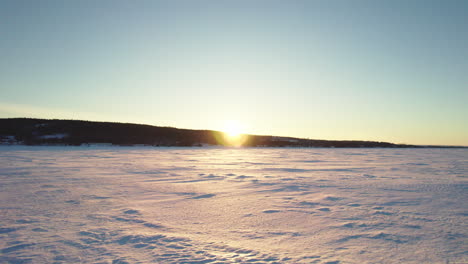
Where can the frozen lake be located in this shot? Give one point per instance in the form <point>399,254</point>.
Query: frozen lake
<point>214,205</point>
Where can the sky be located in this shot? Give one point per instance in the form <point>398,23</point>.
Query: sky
<point>385,70</point>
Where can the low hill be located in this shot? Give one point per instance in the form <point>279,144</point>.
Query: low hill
<point>31,131</point>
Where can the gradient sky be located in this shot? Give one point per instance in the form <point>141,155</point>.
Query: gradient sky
<point>367,70</point>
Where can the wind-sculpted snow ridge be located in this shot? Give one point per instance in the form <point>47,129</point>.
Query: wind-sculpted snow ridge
<point>185,205</point>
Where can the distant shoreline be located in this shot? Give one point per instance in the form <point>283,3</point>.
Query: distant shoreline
<point>99,146</point>
<point>52,132</point>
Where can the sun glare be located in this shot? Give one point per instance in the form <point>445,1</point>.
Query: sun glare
<point>233,134</point>
<point>232,129</point>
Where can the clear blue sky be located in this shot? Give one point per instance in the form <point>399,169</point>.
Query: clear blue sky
<point>370,70</point>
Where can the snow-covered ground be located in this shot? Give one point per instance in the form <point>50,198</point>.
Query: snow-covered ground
<point>221,205</point>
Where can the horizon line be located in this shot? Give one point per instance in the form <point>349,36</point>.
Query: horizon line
<point>219,131</point>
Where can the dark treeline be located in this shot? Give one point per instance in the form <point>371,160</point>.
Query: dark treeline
<point>75,132</point>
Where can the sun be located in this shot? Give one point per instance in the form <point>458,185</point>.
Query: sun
<point>232,128</point>
<point>233,134</point>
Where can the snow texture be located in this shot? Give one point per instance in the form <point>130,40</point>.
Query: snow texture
<point>220,205</point>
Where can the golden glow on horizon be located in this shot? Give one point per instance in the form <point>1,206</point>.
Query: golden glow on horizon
<point>233,134</point>
<point>233,129</point>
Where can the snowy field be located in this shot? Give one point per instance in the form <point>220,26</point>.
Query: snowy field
<point>213,205</point>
